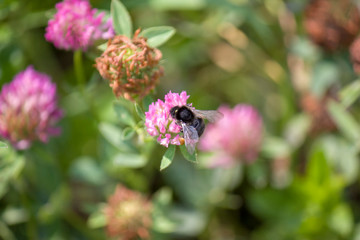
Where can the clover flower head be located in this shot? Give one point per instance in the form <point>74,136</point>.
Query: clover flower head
<point>131,66</point>
<point>159,122</point>
<point>28,109</point>
<point>236,137</point>
<point>128,214</point>
<point>77,26</point>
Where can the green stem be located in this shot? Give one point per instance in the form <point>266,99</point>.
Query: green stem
<point>78,223</point>
<point>79,70</point>
<point>5,232</point>
<point>80,77</point>
<point>26,203</point>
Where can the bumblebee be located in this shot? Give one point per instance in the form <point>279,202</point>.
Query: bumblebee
<point>192,123</point>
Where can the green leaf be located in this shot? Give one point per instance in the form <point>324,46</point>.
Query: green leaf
<point>318,171</point>
<point>97,219</point>
<point>11,166</point>
<point>297,129</point>
<point>131,160</point>
<point>273,147</point>
<point>3,145</point>
<point>168,157</point>
<point>166,5</point>
<point>350,93</point>
<point>271,205</point>
<point>15,215</point>
<point>121,19</point>
<point>86,169</point>
<point>341,220</point>
<point>75,104</point>
<point>345,122</point>
<point>58,201</point>
<point>163,196</point>
<point>325,74</point>
<point>5,232</point>
<point>356,234</point>
<point>113,135</point>
<point>102,47</point>
<point>189,221</point>
<point>128,133</point>
<point>124,116</point>
<point>187,155</point>
<point>147,101</point>
<point>305,49</point>
<point>139,111</point>
<point>342,155</point>
<point>162,200</point>
<point>257,174</point>
<point>156,36</point>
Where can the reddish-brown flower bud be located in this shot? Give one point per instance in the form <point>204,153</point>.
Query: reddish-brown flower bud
<point>128,215</point>
<point>332,23</point>
<point>355,55</point>
<point>131,66</point>
<point>316,108</point>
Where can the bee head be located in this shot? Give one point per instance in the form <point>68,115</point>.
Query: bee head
<point>173,111</point>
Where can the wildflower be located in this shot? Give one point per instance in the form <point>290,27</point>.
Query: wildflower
<point>128,215</point>
<point>332,24</point>
<point>160,124</point>
<point>237,136</point>
<point>76,26</point>
<point>28,109</point>
<point>131,66</point>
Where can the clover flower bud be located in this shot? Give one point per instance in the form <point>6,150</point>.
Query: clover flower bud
<point>128,215</point>
<point>131,66</point>
<point>355,55</point>
<point>321,120</point>
<point>332,24</point>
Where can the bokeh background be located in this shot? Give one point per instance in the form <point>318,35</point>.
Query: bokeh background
<point>291,60</point>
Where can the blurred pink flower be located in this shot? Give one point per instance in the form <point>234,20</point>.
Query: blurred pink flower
<point>28,109</point>
<point>159,122</point>
<point>236,137</point>
<point>76,26</point>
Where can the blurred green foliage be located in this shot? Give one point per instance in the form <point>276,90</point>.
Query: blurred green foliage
<point>302,186</point>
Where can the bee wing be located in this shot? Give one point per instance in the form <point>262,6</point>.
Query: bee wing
<point>191,137</point>
<point>210,115</point>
